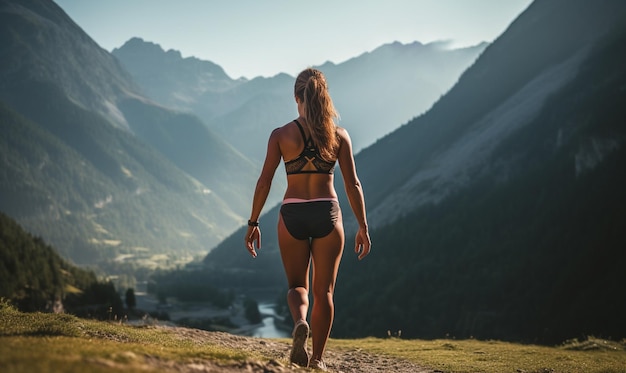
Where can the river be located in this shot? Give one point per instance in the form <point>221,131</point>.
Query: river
<point>268,329</point>
<point>178,310</point>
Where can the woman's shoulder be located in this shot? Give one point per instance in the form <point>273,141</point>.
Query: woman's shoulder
<point>285,128</point>
<point>342,133</point>
<point>285,133</point>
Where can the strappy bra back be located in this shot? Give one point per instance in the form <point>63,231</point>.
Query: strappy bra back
<point>309,161</point>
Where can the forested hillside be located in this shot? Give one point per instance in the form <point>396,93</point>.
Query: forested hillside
<point>536,257</point>
<point>35,278</point>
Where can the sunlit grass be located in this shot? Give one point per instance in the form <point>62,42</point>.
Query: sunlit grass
<point>41,342</point>
<point>37,342</point>
<point>497,357</point>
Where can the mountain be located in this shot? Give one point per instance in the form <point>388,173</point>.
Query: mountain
<point>94,167</point>
<point>169,79</point>
<point>397,81</point>
<point>500,212</point>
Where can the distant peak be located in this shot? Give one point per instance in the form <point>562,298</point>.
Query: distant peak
<point>178,55</point>
<point>136,40</point>
<point>400,44</point>
<point>138,43</point>
<point>397,45</point>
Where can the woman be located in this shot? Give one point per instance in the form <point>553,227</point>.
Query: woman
<point>310,226</point>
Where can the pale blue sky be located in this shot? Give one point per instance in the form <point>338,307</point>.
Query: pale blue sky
<point>265,37</point>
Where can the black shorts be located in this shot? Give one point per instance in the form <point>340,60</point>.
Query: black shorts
<point>315,219</point>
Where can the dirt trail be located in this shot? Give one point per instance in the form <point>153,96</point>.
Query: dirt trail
<point>345,361</point>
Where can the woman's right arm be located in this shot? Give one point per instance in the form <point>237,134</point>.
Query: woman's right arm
<point>261,191</point>
<point>354,191</point>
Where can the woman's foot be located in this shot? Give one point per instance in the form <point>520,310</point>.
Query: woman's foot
<point>318,365</point>
<point>299,354</point>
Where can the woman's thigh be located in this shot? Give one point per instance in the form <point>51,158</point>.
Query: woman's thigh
<point>326,252</point>
<point>296,256</point>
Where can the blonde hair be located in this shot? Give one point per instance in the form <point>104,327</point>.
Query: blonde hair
<point>319,111</point>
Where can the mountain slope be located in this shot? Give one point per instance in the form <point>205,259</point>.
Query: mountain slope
<point>531,61</point>
<point>194,148</point>
<point>95,204</point>
<point>498,211</point>
<point>98,169</point>
<point>41,43</point>
<point>534,253</point>
<point>524,241</point>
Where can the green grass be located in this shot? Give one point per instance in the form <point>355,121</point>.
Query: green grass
<point>590,356</point>
<point>41,342</point>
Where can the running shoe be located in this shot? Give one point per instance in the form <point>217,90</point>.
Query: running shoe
<point>318,365</point>
<point>299,353</point>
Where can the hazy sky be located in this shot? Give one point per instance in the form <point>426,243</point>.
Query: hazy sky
<point>265,37</point>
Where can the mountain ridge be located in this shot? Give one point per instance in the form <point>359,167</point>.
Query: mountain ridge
<point>145,59</point>
<point>395,64</point>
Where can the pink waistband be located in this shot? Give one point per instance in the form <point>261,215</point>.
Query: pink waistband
<point>302,200</point>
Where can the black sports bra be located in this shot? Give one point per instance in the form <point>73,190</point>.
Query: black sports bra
<point>309,161</point>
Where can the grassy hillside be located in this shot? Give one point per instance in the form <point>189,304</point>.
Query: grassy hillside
<point>36,342</point>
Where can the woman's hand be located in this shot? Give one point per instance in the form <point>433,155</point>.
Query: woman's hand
<point>253,234</point>
<point>362,243</point>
